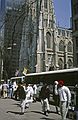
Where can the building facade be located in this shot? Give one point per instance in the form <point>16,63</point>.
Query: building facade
<point>64,48</point>
<point>43,47</point>
<point>40,44</point>
<point>12,41</point>
<point>74,4</point>
<point>2,13</point>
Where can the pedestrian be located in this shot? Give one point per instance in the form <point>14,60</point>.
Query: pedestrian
<point>35,92</point>
<point>0,90</point>
<point>65,99</point>
<point>5,89</point>
<point>10,90</point>
<point>22,95</point>
<point>44,96</point>
<point>29,95</point>
<point>76,106</point>
<point>14,90</point>
<point>56,96</point>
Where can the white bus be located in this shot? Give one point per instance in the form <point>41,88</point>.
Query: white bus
<point>70,76</point>
<point>17,79</point>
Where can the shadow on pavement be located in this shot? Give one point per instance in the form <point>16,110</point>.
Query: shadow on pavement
<point>44,118</point>
<point>15,112</point>
<point>17,104</point>
<point>42,113</point>
<point>37,112</point>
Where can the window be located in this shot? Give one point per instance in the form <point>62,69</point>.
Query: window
<point>69,47</point>
<point>63,32</point>
<point>59,31</point>
<point>67,33</point>
<point>48,38</point>
<point>61,46</point>
<point>70,63</point>
<point>45,3</point>
<point>60,63</point>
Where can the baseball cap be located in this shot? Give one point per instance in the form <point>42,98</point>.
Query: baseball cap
<point>61,82</point>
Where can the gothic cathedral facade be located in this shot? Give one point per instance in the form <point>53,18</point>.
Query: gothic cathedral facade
<point>44,45</point>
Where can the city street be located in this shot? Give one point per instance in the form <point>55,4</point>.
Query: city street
<point>10,110</point>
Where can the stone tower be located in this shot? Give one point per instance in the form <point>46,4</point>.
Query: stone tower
<point>40,45</point>
<point>38,36</point>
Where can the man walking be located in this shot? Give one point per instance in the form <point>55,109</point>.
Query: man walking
<point>22,95</point>
<point>65,99</point>
<point>44,95</point>
<point>56,96</point>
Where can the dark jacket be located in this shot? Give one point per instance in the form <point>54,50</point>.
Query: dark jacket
<point>21,92</point>
<point>55,97</point>
<point>45,92</point>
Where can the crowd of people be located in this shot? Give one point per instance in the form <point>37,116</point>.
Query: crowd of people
<point>26,93</point>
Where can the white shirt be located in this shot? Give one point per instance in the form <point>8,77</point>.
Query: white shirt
<point>35,88</point>
<point>64,93</point>
<point>5,86</point>
<point>29,91</point>
<point>55,90</point>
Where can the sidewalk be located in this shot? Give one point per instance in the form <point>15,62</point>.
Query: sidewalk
<point>10,110</point>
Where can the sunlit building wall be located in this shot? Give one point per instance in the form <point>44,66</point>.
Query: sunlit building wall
<point>74,4</point>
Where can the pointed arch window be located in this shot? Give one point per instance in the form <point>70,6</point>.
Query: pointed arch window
<point>48,38</point>
<point>69,47</point>
<point>45,3</point>
<point>61,46</point>
<point>70,64</point>
<point>60,63</point>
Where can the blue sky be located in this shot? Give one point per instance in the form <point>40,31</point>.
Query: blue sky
<point>63,12</point>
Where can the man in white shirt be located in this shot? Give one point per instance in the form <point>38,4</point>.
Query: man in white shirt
<point>29,95</point>
<point>35,92</point>
<point>5,89</point>
<point>56,96</point>
<point>65,99</point>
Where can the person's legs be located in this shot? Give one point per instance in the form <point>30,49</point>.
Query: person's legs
<point>42,105</point>
<point>22,106</point>
<point>47,104</point>
<point>63,110</point>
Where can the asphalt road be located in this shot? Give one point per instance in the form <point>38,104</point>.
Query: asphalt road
<point>10,110</point>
